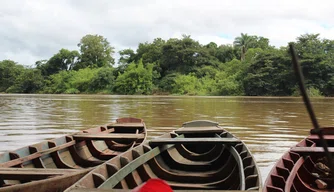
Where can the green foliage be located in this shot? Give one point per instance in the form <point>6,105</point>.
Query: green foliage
<point>95,52</point>
<point>167,82</point>
<point>60,82</point>
<point>229,79</point>
<point>207,71</point>
<point>184,56</point>
<point>226,53</point>
<point>150,52</point>
<point>244,42</point>
<point>187,85</point>
<point>269,74</point>
<point>9,70</point>
<point>103,80</point>
<point>127,56</point>
<point>29,81</point>
<point>63,60</point>
<point>311,91</point>
<point>136,79</point>
<point>72,91</point>
<point>72,81</point>
<point>82,79</point>
<point>208,86</point>
<point>178,66</point>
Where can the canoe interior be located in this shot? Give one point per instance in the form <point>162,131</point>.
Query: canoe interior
<point>199,156</point>
<point>301,168</point>
<point>78,151</point>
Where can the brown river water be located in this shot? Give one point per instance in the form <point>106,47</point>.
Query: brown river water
<point>268,125</point>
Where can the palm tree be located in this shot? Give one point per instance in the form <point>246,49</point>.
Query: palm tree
<point>243,43</point>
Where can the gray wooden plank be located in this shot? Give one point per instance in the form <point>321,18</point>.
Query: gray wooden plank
<point>200,123</point>
<point>163,141</point>
<point>197,130</point>
<point>33,174</point>
<point>120,136</point>
<point>126,125</point>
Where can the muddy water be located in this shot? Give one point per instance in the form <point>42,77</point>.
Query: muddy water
<point>269,126</point>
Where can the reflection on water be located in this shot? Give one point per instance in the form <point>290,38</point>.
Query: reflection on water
<point>269,126</point>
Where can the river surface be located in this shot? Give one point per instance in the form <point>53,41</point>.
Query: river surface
<point>269,126</point>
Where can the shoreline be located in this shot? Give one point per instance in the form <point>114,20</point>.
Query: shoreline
<point>162,95</point>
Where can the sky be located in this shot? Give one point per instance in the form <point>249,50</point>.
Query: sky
<point>32,30</point>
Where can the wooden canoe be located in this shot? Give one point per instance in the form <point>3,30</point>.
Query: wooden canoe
<point>303,168</point>
<point>56,164</point>
<point>198,156</point>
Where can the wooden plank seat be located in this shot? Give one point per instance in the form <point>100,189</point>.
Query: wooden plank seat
<point>114,136</point>
<point>126,125</point>
<point>310,150</point>
<point>164,141</point>
<point>202,130</point>
<point>33,174</point>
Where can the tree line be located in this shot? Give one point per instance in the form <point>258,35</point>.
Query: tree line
<point>180,66</point>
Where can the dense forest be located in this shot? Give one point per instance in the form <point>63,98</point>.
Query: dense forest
<point>251,66</point>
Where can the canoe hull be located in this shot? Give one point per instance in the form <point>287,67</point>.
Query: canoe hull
<point>199,156</point>
<point>32,167</point>
<point>298,169</point>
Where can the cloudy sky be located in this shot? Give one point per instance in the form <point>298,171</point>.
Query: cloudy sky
<point>32,30</point>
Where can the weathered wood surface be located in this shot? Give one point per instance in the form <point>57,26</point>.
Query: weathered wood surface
<point>237,157</point>
<point>72,154</point>
<point>200,123</point>
<point>202,130</point>
<point>111,182</point>
<point>36,155</point>
<point>164,141</point>
<point>316,137</point>
<point>230,165</point>
<point>325,130</point>
<point>121,136</point>
<point>58,183</point>
<point>310,150</point>
<point>33,174</point>
<point>126,125</point>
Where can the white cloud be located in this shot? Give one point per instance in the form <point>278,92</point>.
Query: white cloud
<point>35,29</point>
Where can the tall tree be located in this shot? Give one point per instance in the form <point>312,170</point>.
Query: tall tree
<point>95,52</point>
<point>269,73</point>
<point>317,61</point>
<point>226,53</point>
<point>150,52</point>
<point>243,42</point>
<point>127,56</point>
<point>184,56</point>
<point>63,60</point>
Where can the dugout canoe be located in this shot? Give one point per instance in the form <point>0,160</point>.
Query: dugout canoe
<point>304,168</point>
<point>199,156</point>
<point>54,165</point>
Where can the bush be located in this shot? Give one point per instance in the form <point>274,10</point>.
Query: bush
<point>187,84</point>
<point>312,92</point>
<point>136,79</point>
